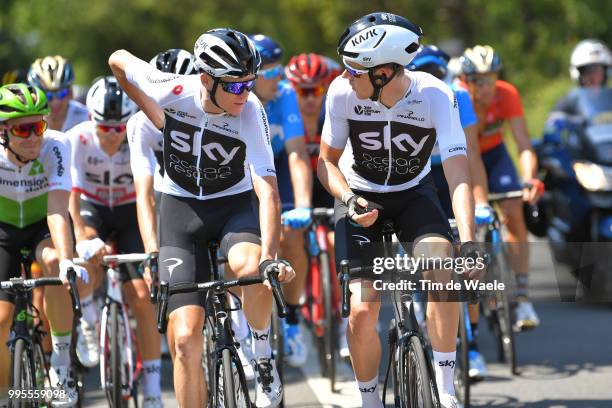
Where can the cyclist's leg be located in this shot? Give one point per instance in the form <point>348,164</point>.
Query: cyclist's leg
<point>431,237</point>
<point>293,250</point>
<point>137,295</point>
<point>502,178</point>
<point>352,243</point>
<point>9,268</point>
<point>181,261</point>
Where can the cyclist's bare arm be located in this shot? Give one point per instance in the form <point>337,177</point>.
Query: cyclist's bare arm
<point>301,174</point>
<point>334,181</point>
<point>477,168</point>
<point>527,157</point>
<point>269,214</point>
<point>145,209</point>
<point>118,61</point>
<point>329,173</point>
<point>59,223</point>
<point>77,220</point>
<point>457,173</point>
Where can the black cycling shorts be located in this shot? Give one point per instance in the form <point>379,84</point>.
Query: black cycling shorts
<point>188,225</point>
<point>415,212</point>
<point>12,241</point>
<point>119,224</point>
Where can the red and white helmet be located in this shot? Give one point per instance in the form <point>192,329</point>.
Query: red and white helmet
<point>307,70</point>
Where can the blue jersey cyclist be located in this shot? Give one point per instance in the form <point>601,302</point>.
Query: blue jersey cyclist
<point>294,177</point>
<point>434,61</point>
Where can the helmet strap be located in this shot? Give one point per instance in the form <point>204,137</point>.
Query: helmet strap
<point>380,81</point>
<point>213,93</point>
<point>4,142</point>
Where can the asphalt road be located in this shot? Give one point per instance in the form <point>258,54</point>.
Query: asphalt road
<point>565,363</point>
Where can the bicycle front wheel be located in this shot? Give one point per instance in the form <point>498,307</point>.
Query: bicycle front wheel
<point>232,392</point>
<point>330,321</point>
<point>22,378</point>
<point>418,379</point>
<point>462,369</point>
<point>112,355</point>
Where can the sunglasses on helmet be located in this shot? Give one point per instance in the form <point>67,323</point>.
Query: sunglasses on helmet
<point>355,73</point>
<point>59,95</point>
<point>316,91</point>
<point>107,128</point>
<point>271,73</point>
<point>24,130</point>
<point>237,88</point>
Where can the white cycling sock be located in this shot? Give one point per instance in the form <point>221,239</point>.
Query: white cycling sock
<point>90,311</point>
<point>444,367</point>
<point>261,343</point>
<point>239,323</point>
<point>369,393</point>
<point>60,356</point>
<point>151,370</point>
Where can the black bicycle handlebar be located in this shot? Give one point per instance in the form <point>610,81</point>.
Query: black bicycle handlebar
<point>20,284</point>
<point>165,291</point>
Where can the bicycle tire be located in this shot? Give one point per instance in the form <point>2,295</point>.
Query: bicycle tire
<point>278,345</point>
<point>505,340</point>
<point>21,372</point>
<point>462,369</point>
<point>113,390</point>
<point>418,379</point>
<point>330,336</point>
<point>229,396</point>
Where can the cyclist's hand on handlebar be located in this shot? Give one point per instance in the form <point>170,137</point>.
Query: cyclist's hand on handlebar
<point>81,272</point>
<point>297,218</point>
<point>479,259</point>
<point>92,250</point>
<point>285,271</point>
<point>533,190</point>
<point>360,211</point>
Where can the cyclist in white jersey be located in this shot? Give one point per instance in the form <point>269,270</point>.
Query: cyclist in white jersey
<point>34,191</point>
<point>55,75</point>
<point>381,124</point>
<point>103,204</point>
<point>216,154</point>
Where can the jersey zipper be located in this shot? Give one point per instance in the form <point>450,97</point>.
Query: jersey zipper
<point>387,137</point>
<point>20,199</point>
<point>111,195</point>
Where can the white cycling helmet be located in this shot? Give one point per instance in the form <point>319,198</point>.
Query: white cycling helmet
<point>480,59</point>
<point>175,61</point>
<point>380,38</point>
<point>107,103</point>
<point>589,52</point>
<point>377,39</point>
<point>224,52</point>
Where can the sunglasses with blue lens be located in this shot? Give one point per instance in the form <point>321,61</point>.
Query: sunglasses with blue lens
<point>271,73</point>
<point>61,94</point>
<point>236,88</point>
<point>354,72</point>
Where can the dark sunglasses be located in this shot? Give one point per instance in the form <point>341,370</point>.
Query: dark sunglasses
<point>25,129</point>
<point>236,88</point>
<point>481,80</point>
<point>271,73</point>
<point>107,128</point>
<point>316,91</point>
<point>57,95</point>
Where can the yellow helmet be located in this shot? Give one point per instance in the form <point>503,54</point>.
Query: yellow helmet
<point>51,73</point>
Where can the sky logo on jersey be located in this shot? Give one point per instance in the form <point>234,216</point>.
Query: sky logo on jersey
<point>37,168</point>
<point>403,141</point>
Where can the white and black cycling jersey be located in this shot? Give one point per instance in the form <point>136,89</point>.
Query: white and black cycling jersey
<point>205,155</point>
<point>389,149</point>
<point>146,149</point>
<point>96,176</point>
